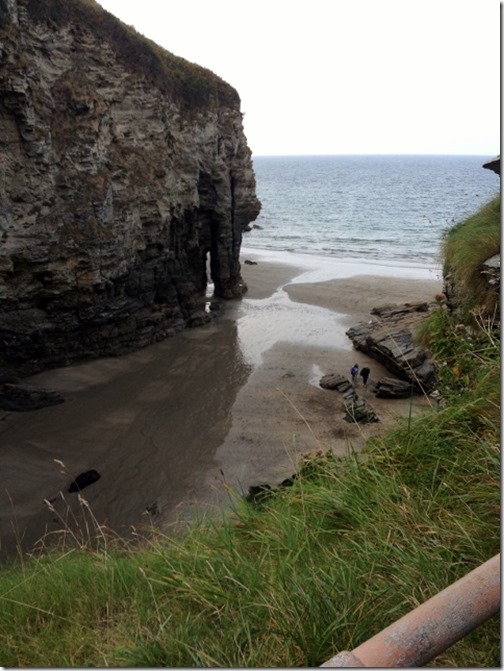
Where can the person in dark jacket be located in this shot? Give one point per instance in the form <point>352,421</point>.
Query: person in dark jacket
<point>365,374</point>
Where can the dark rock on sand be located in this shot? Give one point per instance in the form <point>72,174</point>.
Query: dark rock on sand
<point>335,381</point>
<point>154,509</point>
<point>258,494</point>
<point>358,409</point>
<point>389,387</point>
<point>24,397</point>
<point>199,318</point>
<point>84,480</point>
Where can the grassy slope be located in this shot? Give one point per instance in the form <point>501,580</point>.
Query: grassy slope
<point>466,246</point>
<point>350,547</point>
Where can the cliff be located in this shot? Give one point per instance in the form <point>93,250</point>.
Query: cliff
<point>124,175</point>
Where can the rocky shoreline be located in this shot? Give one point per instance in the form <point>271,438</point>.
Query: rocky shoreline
<point>389,339</point>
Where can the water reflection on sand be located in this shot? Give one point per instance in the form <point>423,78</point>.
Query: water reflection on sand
<point>146,422</point>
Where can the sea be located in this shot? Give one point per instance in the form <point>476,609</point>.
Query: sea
<point>389,210</point>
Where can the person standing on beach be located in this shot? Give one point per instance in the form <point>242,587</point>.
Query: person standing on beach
<point>354,372</point>
<point>365,374</point>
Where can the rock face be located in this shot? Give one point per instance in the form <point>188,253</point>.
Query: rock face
<point>125,180</point>
<point>491,271</point>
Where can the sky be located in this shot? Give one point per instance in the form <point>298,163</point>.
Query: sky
<point>344,76</point>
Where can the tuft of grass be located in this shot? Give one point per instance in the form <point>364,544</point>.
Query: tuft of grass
<point>466,357</point>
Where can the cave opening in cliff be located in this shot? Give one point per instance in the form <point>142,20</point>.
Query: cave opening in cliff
<point>213,267</point>
<point>209,282</point>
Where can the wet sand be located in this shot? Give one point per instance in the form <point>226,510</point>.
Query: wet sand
<point>198,418</point>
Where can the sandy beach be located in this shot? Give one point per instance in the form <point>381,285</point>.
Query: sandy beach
<point>198,418</point>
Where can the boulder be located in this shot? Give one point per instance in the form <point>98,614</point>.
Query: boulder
<point>389,387</point>
<point>199,318</point>
<point>154,509</point>
<point>358,409</point>
<point>258,494</point>
<point>24,397</point>
<point>335,381</point>
<point>84,480</point>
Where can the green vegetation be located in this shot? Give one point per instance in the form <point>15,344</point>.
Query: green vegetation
<point>466,246</point>
<point>317,568</point>
<point>191,84</point>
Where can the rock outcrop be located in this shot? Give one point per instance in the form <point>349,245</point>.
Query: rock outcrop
<point>335,381</point>
<point>390,387</point>
<point>389,338</point>
<point>494,165</point>
<point>126,183</point>
<point>84,480</point>
<point>24,397</point>
<point>456,292</point>
<point>357,409</point>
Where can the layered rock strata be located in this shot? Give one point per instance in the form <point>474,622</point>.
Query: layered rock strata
<point>389,339</point>
<point>126,183</point>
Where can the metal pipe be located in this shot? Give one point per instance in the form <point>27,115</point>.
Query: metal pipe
<point>434,626</point>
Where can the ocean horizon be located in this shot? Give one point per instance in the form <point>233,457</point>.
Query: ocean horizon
<point>388,211</point>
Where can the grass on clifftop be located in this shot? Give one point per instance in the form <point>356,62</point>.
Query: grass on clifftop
<point>318,568</point>
<point>191,83</point>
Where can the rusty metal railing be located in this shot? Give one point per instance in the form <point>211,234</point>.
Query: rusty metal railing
<point>425,632</point>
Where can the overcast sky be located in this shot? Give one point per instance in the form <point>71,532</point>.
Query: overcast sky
<point>344,76</point>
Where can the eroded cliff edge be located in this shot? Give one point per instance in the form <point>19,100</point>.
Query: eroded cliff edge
<point>124,174</point>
